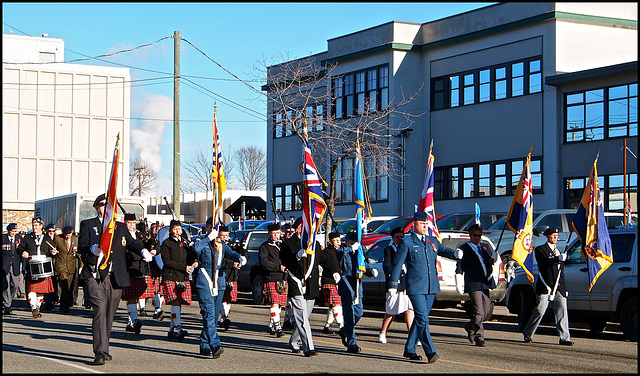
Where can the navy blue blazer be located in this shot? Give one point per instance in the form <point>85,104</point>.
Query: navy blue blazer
<point>474,276</point>
<point>420,261</point>
<point>10,255</point>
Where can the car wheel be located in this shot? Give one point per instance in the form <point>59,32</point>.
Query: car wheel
<point>526,304</point>
<point>257,289</point>
<point>629,318</point>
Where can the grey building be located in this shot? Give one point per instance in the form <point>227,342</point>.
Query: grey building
<point>485,86</point>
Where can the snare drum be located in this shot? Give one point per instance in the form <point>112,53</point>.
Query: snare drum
<point>40,267</point>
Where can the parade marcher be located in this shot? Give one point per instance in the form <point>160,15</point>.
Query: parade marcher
<point>418,252</point>
<point>275,285</point>
<point>104,276</point>
<point>329,290</point>
<point>398,303</point>
<point>304,286</point>
<point>211,285</point>
<point>12,265</point>
<point>550,289</point>
<point>66,262</point>
<point>156,272</point>
<point>52,297</point>
<point>231,269</point>
<point>40,245</point>
<point>179,261</point>
<point>350,290</point>
<point>140,273</point>
<point>474,275</point>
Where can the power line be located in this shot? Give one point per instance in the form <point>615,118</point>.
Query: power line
<point>226,99</point>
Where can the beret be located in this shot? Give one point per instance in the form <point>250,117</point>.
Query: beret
<point>551,230</point>
<point>273,227</point>
<point>333,235</point>
<point>129,217</point>
<point>351,236</point>
<point>420,216</point>
<point>67,230</point>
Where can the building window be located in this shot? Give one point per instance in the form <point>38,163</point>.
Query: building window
<point>313,115</point>
<point>485,179</point>
<point>360,92</point>
<point>288,197</point>
<point>338,97</point>
<point>611,188</point>
<point>348,95</point>
<point>377,183</point>
<point>487,84</point>
<point>279,127</point>
<point>372,89</point>
<point>602,113</point>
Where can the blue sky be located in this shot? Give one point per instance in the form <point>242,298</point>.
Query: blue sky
<point>238,36</point>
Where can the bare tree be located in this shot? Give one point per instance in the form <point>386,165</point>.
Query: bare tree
<point>142,178</point>
<point>251,162</point>
<point>299,93</point>
<point>198,170</point>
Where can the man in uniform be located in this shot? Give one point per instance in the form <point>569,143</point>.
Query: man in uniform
<point>550,289</point>
<point>275,284</point>
<point>66,261</point>
<point>105,275</point>
<point>329,290</point>
<point>12,266</point>
<point>418,252</point>
<point>231,269</point>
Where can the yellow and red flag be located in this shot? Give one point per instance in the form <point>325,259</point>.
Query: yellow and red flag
<point>111,209</point>
<point>520,220</point>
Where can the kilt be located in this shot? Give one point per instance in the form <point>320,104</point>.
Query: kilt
<point>168,290</point>
<point>231,292</point>
<point>329,295</point>
<point>142,287</point>
<point>39,286</point>
<point>156,278</point>
<point>271,296</point>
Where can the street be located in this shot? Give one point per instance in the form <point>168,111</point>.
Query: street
<point>61,343</point>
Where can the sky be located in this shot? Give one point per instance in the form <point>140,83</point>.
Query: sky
<point>239,37</point>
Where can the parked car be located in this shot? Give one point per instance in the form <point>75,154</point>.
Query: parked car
<point>614,297</point>
<point>384,230</point>
<point>237,235</point>
<point>374,287</point>
<point>350,224</point>
<point>251,275</point>
<point>542,220</point>
<point>462,221</point>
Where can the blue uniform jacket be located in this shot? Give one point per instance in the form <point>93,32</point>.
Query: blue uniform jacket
<point>420,261</point>
<point>205,250</point>
<point>348,262</point>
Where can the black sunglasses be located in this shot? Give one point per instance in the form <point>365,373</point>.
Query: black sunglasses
<point>476,235</point>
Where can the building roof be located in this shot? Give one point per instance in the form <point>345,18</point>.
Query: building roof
<point>563,78</point>
<point>255,207</point>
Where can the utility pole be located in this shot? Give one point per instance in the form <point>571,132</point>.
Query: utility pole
<point>176,124</point>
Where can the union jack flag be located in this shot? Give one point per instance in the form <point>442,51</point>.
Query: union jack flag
<point>426,199</point>
<point>217,173</point>
<point>313,205</point>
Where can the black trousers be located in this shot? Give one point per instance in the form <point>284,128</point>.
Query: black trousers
<point>105,299</point>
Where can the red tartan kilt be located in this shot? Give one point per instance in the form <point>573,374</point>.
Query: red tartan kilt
<point>231,294</point>
<point>168,290</point>
<point>329,295</point>
<point>156,277</point>
<point>140,288</point>
<point>39,286</point>
<point>272,297</point>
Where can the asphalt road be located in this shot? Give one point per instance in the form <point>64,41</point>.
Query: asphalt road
<point>61,343</point>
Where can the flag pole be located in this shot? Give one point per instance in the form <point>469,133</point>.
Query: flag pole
<point>624,180</point>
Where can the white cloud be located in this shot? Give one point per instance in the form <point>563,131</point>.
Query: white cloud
<point>146,137</point>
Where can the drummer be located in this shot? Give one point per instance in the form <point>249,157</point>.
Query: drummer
<point>37,247</point>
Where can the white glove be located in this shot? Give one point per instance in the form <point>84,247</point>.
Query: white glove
<point>393,291</point>
<point>301,253</point>
<point>460,284</point>
<point>147,255</point>
<point>355,246</point>
<point>243,261</point>
<point>563,257</point>
<point>213,234</point>
<point>95,249</point>
<point>458,253</point>
<point>374,272</point>
<point>336,277</point>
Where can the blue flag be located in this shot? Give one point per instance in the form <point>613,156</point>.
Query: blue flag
<point>520,220</point>
<point>360,208</point>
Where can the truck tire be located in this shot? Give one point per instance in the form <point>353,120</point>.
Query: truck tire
<point>527,301</point>
<point>257,289</point>
<point>629,318</point>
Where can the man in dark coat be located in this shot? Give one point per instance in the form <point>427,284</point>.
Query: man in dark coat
<point>477,268</point>
<point>104,285</point>
<point>550,289</point>
<point>12,266</point>
<point>275,281</point>
<point>231,269</point>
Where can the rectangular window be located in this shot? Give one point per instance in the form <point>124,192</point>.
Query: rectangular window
<point>338,98</point>
<point>384,87</point>
<point>454,179</point>
<point>290,123</point>
<point>468,182</point>
<point>320,118</point>
<point>372,89</point>
<point>438,94</point>
<point>277,197</point>
<point>500,179</point>
<point>485,86</point>
<point>484,180</point>
<point>535,77</point>
<point>288,197</point>
<point>360,92</point>
<point>454,84</point>
<point>469,89</point>
<point>279,131</point>
<point>501,83</point>
<point>348,95</point>
<point>517,79</point>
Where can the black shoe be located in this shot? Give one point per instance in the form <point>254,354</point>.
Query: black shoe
<point>20,296</point>
<point>527,339</point>
<point>87,306</point>
<point>295,351</point>
<point>343,338</point>
<point>107,357</point>
<point>470,337</point>
<point>480,343</point>
<point>142,313</point>
<point>565,343</point>
<point>99,359</point>
<point>287,324</point>
<point>205,352</point>
<point>279,332</point>
<point>311,353</point>
<point>327,330</point>
<point>271,330</point>
<point>137,326</point>
<point>353,349</point>
<point>412,356</point>
<point>182,333</point>
<point>64,310</point>
<point>216,352</point>
<point>129,328</point>
<point>7,311</point>
<point>432,358</point>
<point>226,324</point>
<point>158,315</point>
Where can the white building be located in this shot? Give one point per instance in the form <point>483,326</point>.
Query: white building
<point>59,125</point>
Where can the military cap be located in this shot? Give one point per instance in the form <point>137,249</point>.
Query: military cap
<point>420,216</point>
<point>100,200</point>
<point>273,227</point>
<point>551,230</point>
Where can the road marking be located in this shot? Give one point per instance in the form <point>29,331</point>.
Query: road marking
<point>439,360</point>
<point>90,370</point>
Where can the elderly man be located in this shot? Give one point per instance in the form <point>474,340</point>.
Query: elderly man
<point>550,289</point>
<point>12,266</point>
<point>418,252</point>
<point>66,267</point>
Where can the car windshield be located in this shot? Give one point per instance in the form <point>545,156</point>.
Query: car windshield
<point>453,221</point>
<point>346,226</point>
<point>401,222</point>
<point>497,225</point>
